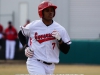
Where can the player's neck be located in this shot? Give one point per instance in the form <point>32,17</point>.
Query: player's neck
<point>47,22</point>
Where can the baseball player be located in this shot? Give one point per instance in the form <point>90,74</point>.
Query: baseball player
<point>46,39</point>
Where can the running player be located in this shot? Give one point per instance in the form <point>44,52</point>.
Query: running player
<point>46,39</point>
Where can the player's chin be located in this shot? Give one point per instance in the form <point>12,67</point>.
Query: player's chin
<point>50,18</point>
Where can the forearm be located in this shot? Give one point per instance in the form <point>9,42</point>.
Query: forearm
<point>64,47</point>
<point>22,39</point>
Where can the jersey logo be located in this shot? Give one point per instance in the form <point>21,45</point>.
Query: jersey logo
<point>43,37</point>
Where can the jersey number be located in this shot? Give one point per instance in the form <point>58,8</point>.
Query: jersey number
<point>53,44</point>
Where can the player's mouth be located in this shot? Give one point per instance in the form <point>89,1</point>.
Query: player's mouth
<point>50,16</point>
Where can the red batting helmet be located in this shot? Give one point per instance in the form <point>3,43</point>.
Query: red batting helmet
<point>43,5</point>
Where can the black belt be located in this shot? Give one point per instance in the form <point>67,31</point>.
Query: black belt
<point>44,62</point>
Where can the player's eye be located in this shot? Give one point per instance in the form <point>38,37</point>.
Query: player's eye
<point>49,10</point>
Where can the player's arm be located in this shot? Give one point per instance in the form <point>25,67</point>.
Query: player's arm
<point>23,34</point>
<point>64,47</point>
<point>22,39</point>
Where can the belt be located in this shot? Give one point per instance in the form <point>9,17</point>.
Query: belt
<point>44,62</point>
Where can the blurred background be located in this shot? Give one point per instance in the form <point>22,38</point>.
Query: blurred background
<point>81,18</point>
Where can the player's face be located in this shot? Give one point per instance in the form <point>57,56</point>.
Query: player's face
<point>48,13</point>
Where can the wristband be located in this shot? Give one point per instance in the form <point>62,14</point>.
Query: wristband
<point>60,40</point>
<point>25,45</point>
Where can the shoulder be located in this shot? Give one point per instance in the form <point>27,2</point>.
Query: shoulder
<point>58,25</point>
<point>14,29</point>
<point>1,26</point>
<point>6,30</point>
<point>34,23</point>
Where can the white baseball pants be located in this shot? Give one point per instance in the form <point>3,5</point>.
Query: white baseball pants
<point>10,49</point>
<point>35,67</point>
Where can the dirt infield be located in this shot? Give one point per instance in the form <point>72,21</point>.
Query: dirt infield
<point>78,69</point>
<point>19,68</point>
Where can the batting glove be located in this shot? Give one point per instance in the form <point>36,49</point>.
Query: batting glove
<point>28,52</point>
<point>56,35</point>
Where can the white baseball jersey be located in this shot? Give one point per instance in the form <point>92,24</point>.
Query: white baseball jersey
<point>41,41</point>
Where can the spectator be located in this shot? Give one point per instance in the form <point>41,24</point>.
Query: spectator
<point>1,36</point>
<point>10,35</point>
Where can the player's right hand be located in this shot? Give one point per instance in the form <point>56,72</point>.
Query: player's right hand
<point>56,35</point>
<point>28,52</point>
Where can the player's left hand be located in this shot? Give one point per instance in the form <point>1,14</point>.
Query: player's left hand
<point>28,52</point>
<point>56,35</point>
